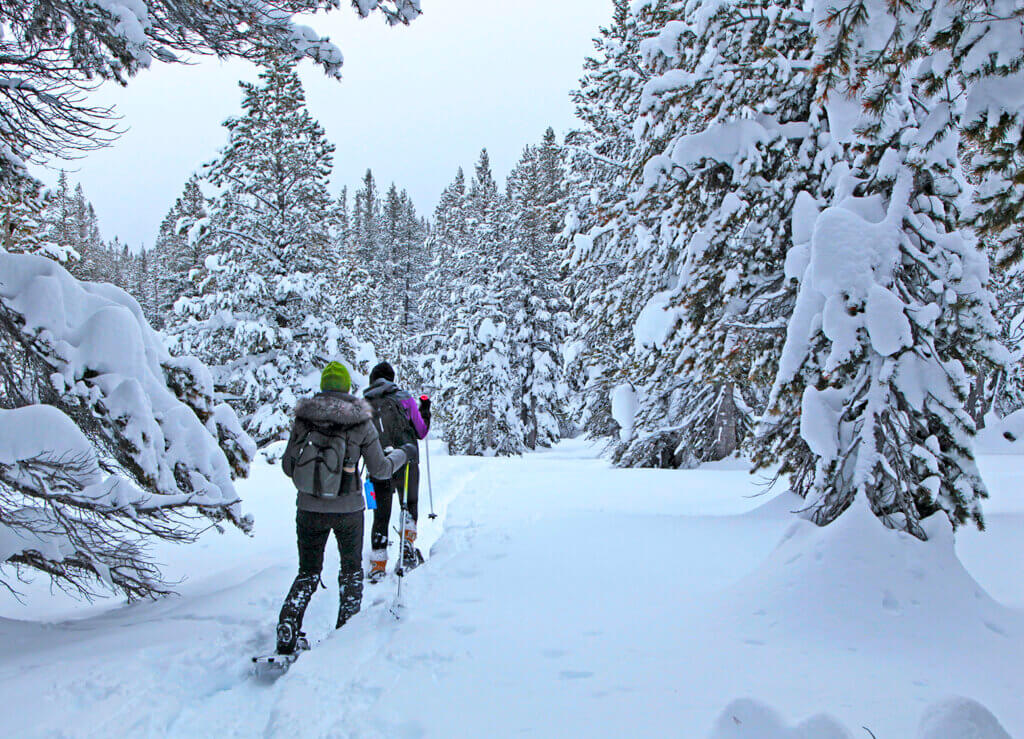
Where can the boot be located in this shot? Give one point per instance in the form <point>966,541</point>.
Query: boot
<point>410,556</point>
<point>350,596</point>
<point>378,565</point>
<point>289,622</point>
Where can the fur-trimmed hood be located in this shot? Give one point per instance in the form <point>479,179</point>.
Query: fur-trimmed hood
<point>341,409</point>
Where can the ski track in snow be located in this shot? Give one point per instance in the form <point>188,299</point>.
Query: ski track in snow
<point>560,597</point>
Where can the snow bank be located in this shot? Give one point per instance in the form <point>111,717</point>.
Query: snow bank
<point>1002,435</point>
<point>749,719</point>
<point>961,718</point>
<point>856,582</point>
<point>953,718</point>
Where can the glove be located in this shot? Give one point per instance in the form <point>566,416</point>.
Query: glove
<point>425,409</point>
<point>412,451</point>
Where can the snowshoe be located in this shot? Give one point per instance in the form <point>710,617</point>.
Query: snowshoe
<point>411,558</point>
<point>272,666</point>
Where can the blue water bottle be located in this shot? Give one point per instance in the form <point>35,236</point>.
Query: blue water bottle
<point>371,495</point>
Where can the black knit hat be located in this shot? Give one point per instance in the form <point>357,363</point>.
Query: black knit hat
<point>384,370</point>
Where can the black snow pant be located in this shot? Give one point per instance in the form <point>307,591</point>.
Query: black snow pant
<point>383,490</point>
<point>312,531</point>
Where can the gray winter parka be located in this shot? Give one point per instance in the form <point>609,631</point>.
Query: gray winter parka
<point>353,416</point>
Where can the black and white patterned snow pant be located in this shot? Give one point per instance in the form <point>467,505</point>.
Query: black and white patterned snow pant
<point>312,531</point>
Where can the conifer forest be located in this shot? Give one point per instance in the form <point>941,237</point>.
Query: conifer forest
<point>744,337</point>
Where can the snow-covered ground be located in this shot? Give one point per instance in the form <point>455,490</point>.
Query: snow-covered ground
<point>561,597</point>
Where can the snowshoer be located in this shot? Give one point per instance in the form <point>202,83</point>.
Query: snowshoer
<point>333,430</point>
<point>400,421</point>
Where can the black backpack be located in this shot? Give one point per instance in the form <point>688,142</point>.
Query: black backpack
<point>320,462</point>
<point>392,423</point>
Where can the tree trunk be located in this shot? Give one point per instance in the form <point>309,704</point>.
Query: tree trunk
<point>725,424</point>
<point>976,400</point>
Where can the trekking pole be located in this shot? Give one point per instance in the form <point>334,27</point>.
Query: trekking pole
<point>400,569</point>
<point>430,486</point>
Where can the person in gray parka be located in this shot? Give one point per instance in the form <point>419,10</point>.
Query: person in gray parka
<point>333,411</point>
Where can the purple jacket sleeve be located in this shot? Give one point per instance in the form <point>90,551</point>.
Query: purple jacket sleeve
<point>414,415</point>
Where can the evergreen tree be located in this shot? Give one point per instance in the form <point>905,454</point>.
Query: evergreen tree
<point>440,297</point>
<point>892,318</point>
<point>598,233</point>
<point>175,254</point>
<point>21,221</point>
<point>536,200</point>
<point>414,260</point>
<point>447,239</point>
<point>366,221</point>
<point>341,223</point>
<point>728,137</point>
<point>58,218</point>
<point>264,312</point>
<point>1004,392</point>
<point>477,397</point>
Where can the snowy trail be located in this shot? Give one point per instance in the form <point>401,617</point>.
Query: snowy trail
<point>560,597</point>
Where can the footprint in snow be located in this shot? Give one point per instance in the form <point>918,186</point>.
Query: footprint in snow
<point>575,674</point>
<point>994,628</point>
<point>890,603</point>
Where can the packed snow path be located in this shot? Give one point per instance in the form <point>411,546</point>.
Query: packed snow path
<point>560,597</point>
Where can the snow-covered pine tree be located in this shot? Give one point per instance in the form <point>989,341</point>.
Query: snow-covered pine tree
<point>367,244</point>
<point>57,218</point>
<point>175,255</point>
<point>112,261</point>
<point>414,260</point>
<point>366,221</point>
<point>144,283</point>
<point>22,202</point>
<point>406,240</point>
<point>478,395</point>
<point>106,441</point>
<point>441,295</point>
<point>597,233</point>
<point>341,223</point>
<point>349,277</point>
<point>388,273</point>
<point>1004,389</point>
<point>893,316</point>
<point>467,243</point>
<point>983,44</point>
<point>486,231</point>
<point>532,292</point>
<point>93,263</point>
<point>264,316</point>
<point>728,138</point>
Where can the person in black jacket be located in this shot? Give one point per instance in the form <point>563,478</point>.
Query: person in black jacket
<point>336,411</point>
<point>400,421</point>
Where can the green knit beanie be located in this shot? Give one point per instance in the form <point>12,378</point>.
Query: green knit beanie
<point>335,377</point>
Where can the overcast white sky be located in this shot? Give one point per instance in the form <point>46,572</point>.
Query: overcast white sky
<point>414,104</point>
